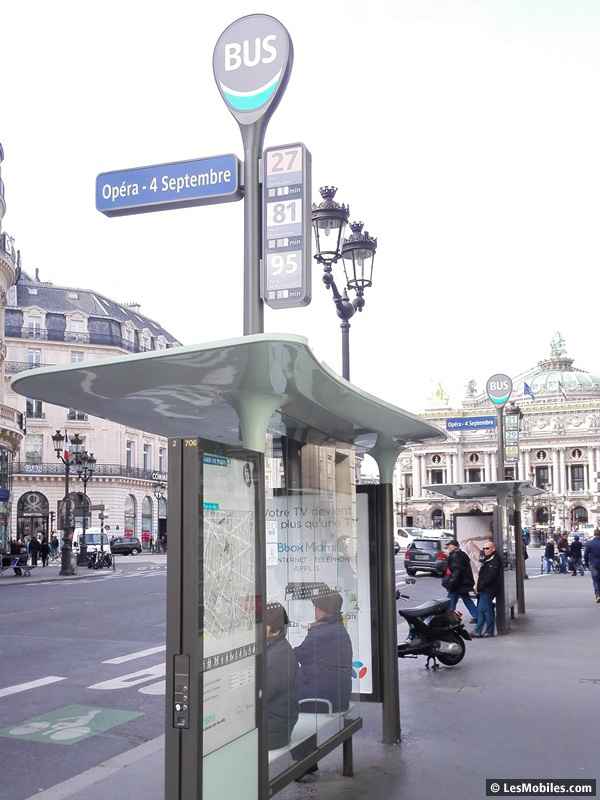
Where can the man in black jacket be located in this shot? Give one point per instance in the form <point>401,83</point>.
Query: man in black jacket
<point>549,555</point>
<point>489,585</point>
<point>575,556</point>
<point>281,679</point>
<point>460,581</point>
<point>592,561</point>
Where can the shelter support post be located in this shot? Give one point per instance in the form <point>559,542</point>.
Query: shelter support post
<point>386,458</point>
<point>519,557</point>
<point>255,410</point>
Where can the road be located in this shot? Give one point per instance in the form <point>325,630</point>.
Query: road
<point>88,653</point>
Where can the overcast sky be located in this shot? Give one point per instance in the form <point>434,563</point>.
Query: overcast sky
<point>465,133</point>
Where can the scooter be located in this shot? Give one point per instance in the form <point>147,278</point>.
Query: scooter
<point>434,631</point>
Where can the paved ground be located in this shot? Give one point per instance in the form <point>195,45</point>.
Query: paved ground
<point>523,705</point>
<point>96,643</point>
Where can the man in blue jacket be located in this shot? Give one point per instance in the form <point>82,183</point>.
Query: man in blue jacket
<point>325,655</point>
<point>591,557</point>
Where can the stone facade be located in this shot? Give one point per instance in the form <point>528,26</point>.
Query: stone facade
<point>559,450</point>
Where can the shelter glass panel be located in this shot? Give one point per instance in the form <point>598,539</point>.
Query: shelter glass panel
<point>313,659</point>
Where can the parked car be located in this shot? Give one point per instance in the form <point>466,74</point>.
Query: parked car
<point>405,536</point>
<point>94,539</point>
<point>426,555</point>
<point>129,546</point>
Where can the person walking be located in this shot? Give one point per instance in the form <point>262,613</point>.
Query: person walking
<point>575,551</point>
<point>34,549</point>
<point>44,551</point>
<point>591,557</point>
<point>489,583</point>
<point>459,579</point>
<point>563,552</point>
<point>549,555</point>
<point>54,545</point>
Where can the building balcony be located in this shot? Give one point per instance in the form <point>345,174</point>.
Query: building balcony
<point>100,470</point>
<point>13,367</point>
<point>74,337</point>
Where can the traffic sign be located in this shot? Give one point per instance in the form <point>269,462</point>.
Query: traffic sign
<point>179,184</point>
<point>252,61</point>
<point>499,389</point>
<point>286,257</point>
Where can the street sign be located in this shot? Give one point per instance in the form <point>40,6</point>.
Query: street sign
<point>499,389</point>
<point>252,61</point>
<point>286,257</point>
<point>179,184</point>
<point>470,423</point>
<point>97,508</point>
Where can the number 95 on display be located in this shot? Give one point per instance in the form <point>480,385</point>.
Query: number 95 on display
<point>283,270</point>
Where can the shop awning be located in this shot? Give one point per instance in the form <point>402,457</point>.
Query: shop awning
<point>205,390</point>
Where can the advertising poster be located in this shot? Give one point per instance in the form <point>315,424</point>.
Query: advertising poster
<point>229,633</point>
<point>471,532</point>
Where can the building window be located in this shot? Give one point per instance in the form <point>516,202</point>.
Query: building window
<point>437,476</point>
<point>579,515</point>
<point>437,518</point>
<point>34,358</point>
<point>577,478</point>
<point>408,485</point>
<point>541,455</point>
<point>79,416</point>
<point>509,474</point>
<point>33,326</point>
<point>77,356</point>
<point>33,409</point>
<point>34,447</point>
<point>130,512</point>
<point>473,476</point>
<point>147,457</point>
<point>147,512</point>
<point>542,477</point>
<point>162,460</point>
<point>130,454</point>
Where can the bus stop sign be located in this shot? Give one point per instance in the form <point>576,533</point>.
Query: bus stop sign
<point>499,389</point>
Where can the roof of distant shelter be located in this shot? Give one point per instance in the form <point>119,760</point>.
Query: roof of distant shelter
<point>198,390</point>
<point>65,299</point>
<point>479,491</point>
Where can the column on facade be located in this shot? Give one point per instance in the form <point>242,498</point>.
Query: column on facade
<point>416,469</point>
<point>563,478</point>
<point>493,467</point>
<point>521,471</point>
<point>527,464</point>
<point>460,465</point>
<point>449,469</point>
<point>596,486</point>
<point>424,470</point>
<point>488,465</point>
<point>556,474</point>
<point>591,470</point>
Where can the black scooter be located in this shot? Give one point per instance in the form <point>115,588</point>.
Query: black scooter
<point>434,631</point>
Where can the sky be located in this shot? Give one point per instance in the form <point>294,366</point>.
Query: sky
<point>464,133</point>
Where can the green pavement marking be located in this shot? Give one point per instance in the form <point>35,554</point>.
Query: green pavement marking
<point>69,725</point>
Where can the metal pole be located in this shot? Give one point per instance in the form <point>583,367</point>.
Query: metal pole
<point>66,567</point>
<point>345,326</point>
<point>519,557</point>
<point>500,448</point>
<point>253,138</point>
<point>389,631</point>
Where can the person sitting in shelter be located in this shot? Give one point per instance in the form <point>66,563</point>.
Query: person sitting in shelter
<point>325,656</point>
<point>281,678</point>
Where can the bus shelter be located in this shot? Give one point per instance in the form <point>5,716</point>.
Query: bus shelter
<point>281,610</point>
<point>503,525</point>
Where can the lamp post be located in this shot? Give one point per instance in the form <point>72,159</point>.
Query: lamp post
<point>86,463</point>
<point>159,489</point>
<point>68,458</point>
<point>329,219</point>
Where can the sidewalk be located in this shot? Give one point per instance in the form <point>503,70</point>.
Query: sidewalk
<point>41,574</point>
<point>524,705</point>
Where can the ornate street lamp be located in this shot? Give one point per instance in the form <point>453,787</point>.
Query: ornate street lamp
<point>67,451</point>
<point>329,220</point>
<point>86,464</point>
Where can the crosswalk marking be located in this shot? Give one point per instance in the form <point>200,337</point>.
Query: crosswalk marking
<point>139,654</point>
<point>23,687</point>
<point>159,688</point>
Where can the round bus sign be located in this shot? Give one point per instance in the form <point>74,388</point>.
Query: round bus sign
<point>499,389</point>
<point>252,62</point>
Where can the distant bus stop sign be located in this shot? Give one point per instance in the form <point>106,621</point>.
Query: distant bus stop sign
<point>286,260</point>
<point>499,389</point>
<point>180,184</point>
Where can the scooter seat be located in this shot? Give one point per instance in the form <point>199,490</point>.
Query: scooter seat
<point>425,609</point>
